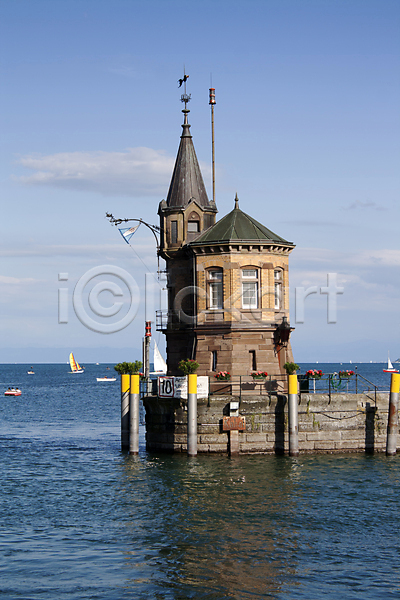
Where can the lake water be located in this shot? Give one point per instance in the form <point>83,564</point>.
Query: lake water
<point>81,520</point>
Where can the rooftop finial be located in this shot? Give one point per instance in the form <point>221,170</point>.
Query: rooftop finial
<point>236,201</point>
<point>184,97</point>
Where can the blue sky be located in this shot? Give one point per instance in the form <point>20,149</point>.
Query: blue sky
<point>307,134</point>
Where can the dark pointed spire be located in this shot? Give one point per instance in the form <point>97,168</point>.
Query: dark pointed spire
<point>236,201</point>
<point>187,181</point>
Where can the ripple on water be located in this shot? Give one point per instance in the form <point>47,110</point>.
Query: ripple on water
<point>80,520</point>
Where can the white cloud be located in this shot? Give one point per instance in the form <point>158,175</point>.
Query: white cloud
<point>336,260</point>
<point>136,172</point>
<point>104,253</point>
<point>49,250</point>
<point>384,258</point>
<point>16,281</point>
<point>357,204</point>
<point>370,277</point>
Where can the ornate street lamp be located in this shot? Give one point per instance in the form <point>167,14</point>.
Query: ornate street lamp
<point>282,333</point>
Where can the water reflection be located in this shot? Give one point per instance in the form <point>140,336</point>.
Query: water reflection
<point>211,526</point>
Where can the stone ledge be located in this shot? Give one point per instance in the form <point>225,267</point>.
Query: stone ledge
<point>208,429</point>
<point>354,434</point>
<point>218,448</point>
<point>306,446</point>
<point>245,447</point>
<point>349,444</point>
<point>266,421</point>
<point>323,435</point>
<point>324,445</point>
<point>220,438</point>
<point>256,437</point>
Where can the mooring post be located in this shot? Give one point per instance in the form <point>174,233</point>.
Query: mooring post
<point>393,419</point>
<point>293,416</point>
<point>192,415</point>
<point>134,396</point>
<point>124,412</point>
<point>234,446</point>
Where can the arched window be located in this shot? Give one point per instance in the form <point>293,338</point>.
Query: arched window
<point>215,289</point>
<point>249,288</point>
<point>277,289</point>
<point>193,225</point>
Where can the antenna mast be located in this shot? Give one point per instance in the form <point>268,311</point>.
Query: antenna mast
<point>212,103</point>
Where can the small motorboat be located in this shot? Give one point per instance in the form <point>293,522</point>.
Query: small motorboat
<point>106,378</point>
<point>390,367</point>
<point>12,392</point>
<point>31,372</point>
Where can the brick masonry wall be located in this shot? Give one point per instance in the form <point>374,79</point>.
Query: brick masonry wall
<point>347,423</point>
<point>232,263</point>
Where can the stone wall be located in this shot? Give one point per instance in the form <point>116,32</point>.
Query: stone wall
<point>344,423</point>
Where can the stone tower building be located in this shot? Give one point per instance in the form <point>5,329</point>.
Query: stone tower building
<point>228,281</point>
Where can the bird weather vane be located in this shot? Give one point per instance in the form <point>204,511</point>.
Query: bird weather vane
<point>184,80</point>
<point>184,97</point>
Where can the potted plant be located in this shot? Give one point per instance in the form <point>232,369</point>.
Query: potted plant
<point>128,368</point>
<point>346,374</point>
<point>314,374</point>
<point>259,374</point>
<point>222,376</point>
<point>188,366</point>
<point>291,368</point>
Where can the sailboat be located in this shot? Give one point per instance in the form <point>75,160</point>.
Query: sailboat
<point>160,366</point>
<point>390,368</point>
<point>75,367</point>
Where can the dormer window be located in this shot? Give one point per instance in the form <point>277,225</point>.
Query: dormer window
<point>193,224</point>
<point>193,227</point>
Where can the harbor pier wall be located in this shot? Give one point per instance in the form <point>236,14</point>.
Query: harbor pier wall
<point>342,422</point>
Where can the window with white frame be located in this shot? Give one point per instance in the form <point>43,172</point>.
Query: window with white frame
<point>249,288</point>
<point>278,289</point>
<point>215,289</point>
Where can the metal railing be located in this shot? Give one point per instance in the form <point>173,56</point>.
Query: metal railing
<point>242,385</point>
<point>272,385</point>
<point>171,319</point>
<point>332,383</point>
<point>161,320</point>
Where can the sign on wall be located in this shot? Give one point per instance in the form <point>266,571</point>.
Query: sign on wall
<point>176,387</point>
<point>234,424</point>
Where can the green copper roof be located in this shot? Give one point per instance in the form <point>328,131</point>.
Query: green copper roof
<point>238,226</point>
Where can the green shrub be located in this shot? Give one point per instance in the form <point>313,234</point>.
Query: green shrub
<point>188,366</point>
<point>291,368</point>
<point>129,368</point>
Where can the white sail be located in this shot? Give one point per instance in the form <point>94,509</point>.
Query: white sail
<point>160,366</point>
<point>390,368</point>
